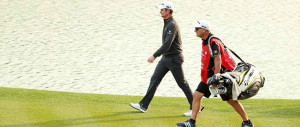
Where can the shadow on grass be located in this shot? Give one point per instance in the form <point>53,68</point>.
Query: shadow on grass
<point>88,120</point>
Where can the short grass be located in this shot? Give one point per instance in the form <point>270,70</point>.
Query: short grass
<point>36,108</point>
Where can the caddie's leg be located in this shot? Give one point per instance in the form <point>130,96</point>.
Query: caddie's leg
<point>197,101</point>
<point>238,108</point>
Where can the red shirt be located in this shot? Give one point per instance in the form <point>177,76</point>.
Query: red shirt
<point>207,59</point>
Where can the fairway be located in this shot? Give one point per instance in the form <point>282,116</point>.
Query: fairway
<point>37,108</point>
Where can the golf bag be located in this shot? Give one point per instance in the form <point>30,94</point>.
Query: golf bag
<point>242,83</point>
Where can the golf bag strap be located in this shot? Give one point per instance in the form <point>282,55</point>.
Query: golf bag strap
<point>210,51</point>
<point>236,55</point>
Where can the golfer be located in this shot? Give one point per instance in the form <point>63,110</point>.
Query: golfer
<point>172,60</point>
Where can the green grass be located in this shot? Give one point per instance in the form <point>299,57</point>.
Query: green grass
<point>30,108</point>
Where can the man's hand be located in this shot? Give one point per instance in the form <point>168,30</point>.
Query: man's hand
<point>151,59</point>
<point>214,85</point>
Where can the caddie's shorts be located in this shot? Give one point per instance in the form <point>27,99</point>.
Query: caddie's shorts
<point>203,88</point>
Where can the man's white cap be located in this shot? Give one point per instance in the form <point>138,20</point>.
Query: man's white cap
<point>202,24</point>
<point>166,5</point>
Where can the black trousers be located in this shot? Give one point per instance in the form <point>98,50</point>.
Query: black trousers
<point>174,64</point>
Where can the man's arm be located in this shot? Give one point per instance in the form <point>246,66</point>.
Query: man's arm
<point>170,36</point>
<point>216,55</point>
<point>217,58</point>
<point>218,62</point>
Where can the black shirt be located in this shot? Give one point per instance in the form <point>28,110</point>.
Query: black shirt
<point>171,39</point>
<point>214,47</point>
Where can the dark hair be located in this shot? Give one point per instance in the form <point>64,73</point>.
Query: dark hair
<point>171,11</point>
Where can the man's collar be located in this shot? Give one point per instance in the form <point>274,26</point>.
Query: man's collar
<point>205,42</point>
<point>169,19</point>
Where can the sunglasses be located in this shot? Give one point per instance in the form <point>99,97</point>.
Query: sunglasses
<point>197,28</point>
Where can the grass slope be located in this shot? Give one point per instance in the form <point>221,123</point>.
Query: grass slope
<point>31,108</point>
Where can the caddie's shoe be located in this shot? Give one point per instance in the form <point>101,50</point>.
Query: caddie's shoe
<point>187,123</point>
<point>138,107</point>
<point>189,113</point>
<point>247,124</point>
